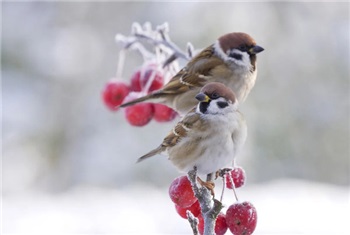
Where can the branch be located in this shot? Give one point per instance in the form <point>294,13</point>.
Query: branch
<point>165,40</point>
<point>158,37</point>
<point>193,222</point>
<point>209,205</point>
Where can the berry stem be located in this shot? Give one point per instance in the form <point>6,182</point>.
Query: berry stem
<point>146,54</point>
<point>150,80</point>
<point>223,189</point>
<point>120,65</point>
<point>235,193</point>
<point>233,186</point>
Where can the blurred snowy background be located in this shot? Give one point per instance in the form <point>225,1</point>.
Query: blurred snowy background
<point>68,164</point>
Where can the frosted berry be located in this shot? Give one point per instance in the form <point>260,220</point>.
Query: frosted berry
<point>140,78</point>
<point>163,113</point>
<point>135,84</point>
<point>220,225</point>
<point>241,218</point>
<point>139,114</point>
<point>158,79</point>
<point>181,193</point>
<point>114,93</point>
<point>195,209</point>
<point>200,224</point>
<point>238,177</point>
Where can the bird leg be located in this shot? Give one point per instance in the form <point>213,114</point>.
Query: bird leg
<point>209,184</point>
<point>222,172</point>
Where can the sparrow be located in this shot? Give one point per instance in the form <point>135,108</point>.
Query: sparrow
<point>231,60</point>
<point>208,137</point>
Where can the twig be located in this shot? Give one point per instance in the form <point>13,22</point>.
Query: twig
<point>209,205</point>
<point>120,64</point>
<point>158,37</point>
<point>165,42</point>
<point>193,222</point>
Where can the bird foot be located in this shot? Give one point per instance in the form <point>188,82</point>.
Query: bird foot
<point>208,184</point>
<point>222,172</point>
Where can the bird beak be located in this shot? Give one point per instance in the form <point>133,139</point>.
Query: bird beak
<point>202,97</point>
<point>255,50</point>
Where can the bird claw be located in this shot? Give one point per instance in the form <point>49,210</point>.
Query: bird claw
<point>207,184</point>
<point>222,172</point>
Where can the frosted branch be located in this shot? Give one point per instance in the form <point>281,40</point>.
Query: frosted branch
<point>209,205</point>
<point>193,222</point>
<point>159,38</point>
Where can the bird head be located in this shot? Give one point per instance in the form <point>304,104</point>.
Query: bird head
<point>216,98</point>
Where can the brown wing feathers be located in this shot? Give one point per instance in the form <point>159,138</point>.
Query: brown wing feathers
<point>172,138</point>
<point>185,79</point>
<point>177,133</point>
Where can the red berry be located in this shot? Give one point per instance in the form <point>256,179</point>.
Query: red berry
<point>195,210</point>
<point>241,218</point>
<point>220,225</point>
<point>135,84</point>
<point>139,114</point>
<point>158,79</point>
<point>140,78</point>
<point>181,193</point>
<point>238,177</point>
<point>200,224</point>
<point>114,94</point>
<point>163,113</point>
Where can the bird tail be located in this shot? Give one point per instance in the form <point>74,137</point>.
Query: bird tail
<point>148,97</point>
<point>156,151</point>
<point>135,101</point>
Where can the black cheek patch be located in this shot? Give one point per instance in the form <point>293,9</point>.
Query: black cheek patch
<point>236,56</point>
<point>222,104</point>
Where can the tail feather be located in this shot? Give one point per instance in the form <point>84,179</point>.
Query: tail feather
<point>138,100</point>
<point>156,151</point>
<point>149,97</point>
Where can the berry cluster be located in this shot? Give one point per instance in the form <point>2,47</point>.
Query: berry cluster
<point>240,217</point>
<point>145,80</point>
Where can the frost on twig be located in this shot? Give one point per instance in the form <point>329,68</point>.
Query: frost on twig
<point>158,37</point>
<point>155,47</point>
<point>193,222</point>
<point>209,205</point>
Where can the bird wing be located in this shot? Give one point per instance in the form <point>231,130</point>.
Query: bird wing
<point>181,129</point>
<point>176,134</point>
<point>195,74</point>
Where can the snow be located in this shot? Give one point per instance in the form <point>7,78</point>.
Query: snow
<point>284,207</point>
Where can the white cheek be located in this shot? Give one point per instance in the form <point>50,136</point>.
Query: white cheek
<point>243,63</point>
<point>215,109</point>
<point>219,52</point>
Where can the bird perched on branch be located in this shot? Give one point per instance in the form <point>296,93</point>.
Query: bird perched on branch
<point>231,60</point>
<point>208,137</point>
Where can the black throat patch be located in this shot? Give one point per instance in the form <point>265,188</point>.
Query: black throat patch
<point>203,106</point>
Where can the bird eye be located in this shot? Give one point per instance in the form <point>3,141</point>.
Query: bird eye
<point>242,48</point>
<point>215,96</point>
